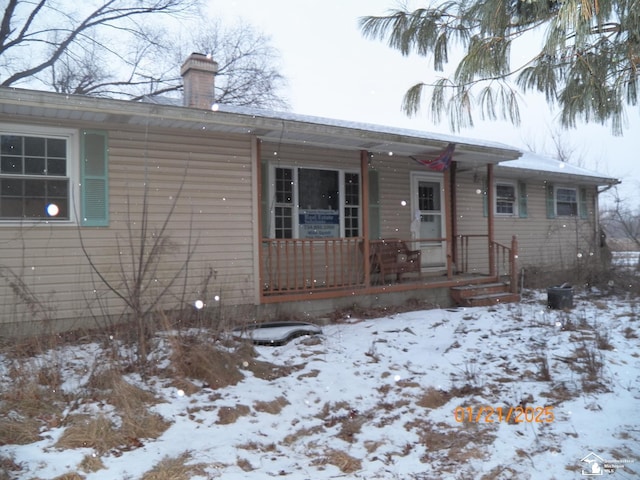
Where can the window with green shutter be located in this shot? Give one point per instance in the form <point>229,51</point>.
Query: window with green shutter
<point>582,203</point>
<point>551,201</point>
<point>94,178</point>
<point>522,200</point>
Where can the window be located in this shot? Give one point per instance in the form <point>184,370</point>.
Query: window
<point>566,202</point>
<point>315,203</point>
<point>505,199</point>
<point>52,173</point>
<point>351,205</point>
<point>283,210</point>
<point>34,177</point>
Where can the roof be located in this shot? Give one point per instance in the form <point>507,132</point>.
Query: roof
<point>531,164</point>
<point>286,127</point>
<point>281,127</point>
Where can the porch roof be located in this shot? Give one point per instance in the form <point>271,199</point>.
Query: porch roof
<point>267,125</point>
<point>531,164</point>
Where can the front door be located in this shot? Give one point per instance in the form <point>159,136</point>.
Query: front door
<point>428,227</point>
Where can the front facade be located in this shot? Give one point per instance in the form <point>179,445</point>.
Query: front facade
<point>103,202</point>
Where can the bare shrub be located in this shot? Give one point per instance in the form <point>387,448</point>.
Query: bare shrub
<point>544,373</point>
<point>603,341</point>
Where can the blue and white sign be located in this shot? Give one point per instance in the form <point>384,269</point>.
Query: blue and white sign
<point>319,223</point>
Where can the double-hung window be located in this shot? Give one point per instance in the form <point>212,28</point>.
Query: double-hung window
<point>505,199</point>
<point>314,203</point>
<point>566,202</point>
<point>35,175</point>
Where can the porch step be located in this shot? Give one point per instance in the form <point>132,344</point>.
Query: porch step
<point>482,295</point>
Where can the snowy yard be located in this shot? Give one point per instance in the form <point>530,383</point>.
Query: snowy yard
<point>370,399</point>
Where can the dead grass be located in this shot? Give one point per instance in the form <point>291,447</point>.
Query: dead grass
<point>228,415</point>
<point>91,463</point>
<point>69,476</point>
<point>19,430</point>
<point>273,407</point>
<point>196,360</point>
<point>345,462</point>
<point>101,433</point>
<point>244,464</point>
<point>302,433</point>
<point>175,469</point>
<point>84,431</point>
<point>433,398</point>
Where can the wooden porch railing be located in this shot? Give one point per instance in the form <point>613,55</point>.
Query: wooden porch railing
<point>305,265</point>
<point>501,260</point>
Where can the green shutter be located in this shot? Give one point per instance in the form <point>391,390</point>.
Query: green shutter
<point>94,179</point>
<point>522,200</point>
<point>374,205</point>
<point>551,210</point>
<point>582,203</point>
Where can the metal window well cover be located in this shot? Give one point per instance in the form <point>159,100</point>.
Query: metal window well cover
<point>275,333</point>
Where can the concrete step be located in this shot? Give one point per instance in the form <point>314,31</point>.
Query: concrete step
<point>492,299</point>
<point>467,291</point>
<point>481,295</point>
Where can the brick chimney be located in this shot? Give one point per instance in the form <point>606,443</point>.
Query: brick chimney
<point>198,75</point>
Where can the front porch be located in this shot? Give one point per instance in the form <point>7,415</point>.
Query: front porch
<point>294,269</point>
<point>327,226</point>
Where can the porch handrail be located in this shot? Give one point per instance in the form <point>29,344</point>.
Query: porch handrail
<point>502,258</point>
<point>506,257</point>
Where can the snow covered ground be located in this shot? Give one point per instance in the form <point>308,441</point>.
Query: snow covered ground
<point>386,398</point>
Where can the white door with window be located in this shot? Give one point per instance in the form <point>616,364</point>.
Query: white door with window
<point>428,225</point>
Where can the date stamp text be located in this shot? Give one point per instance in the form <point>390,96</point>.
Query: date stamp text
<point>488,414</point>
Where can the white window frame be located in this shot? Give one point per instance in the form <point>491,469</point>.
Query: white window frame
<point>555,201</point>
<point>73,169</point>
<point>295,224</point>
<point>514,202</point>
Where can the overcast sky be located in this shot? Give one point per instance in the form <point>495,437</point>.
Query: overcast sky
<point>333,72</point>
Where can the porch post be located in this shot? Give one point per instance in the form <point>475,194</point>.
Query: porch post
<point>448,212</point>
<point>454,214</point>
<point>514,264</point>
<point>490,226</point>
<point>364,175</point>
<point>259,272</point>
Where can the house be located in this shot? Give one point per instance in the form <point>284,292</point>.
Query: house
<point>108,206</point>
